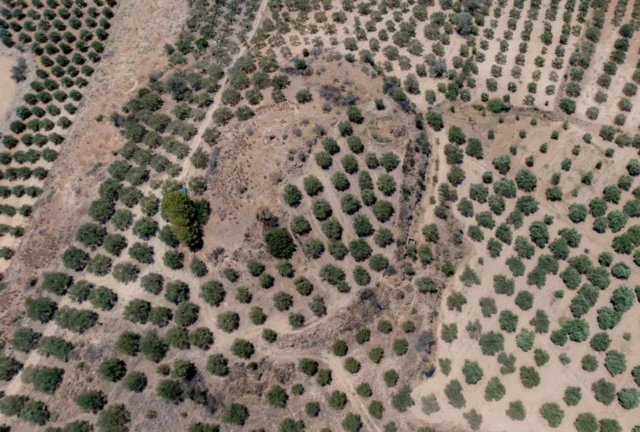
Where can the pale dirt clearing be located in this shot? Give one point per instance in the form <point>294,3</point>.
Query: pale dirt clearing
<point>7,87</point>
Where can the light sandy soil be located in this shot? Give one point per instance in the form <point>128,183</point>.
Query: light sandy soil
<point>7,86</point>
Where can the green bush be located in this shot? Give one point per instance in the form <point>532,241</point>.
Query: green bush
<point>615,362</point>
<point>228,321</point>
<point>201,337</point>
<point>186,314</point>
<point>516,411</point>
<point>35,412</point>
<point>586,422</point>
<point>76,320</point>
<point>352,422</point>
<point>453,392</point>
<point>610,425</point>
<point>552,413</point>
<point>572,396</point>
<point>525,339</point>
<point>391,377</point>
<point>9,367</point>
<point>524,300</point>
<point>383,210</point>
<point>170,391</point>
<point>364,390</point>
<point>135,382</point>
<point>400,346</point>
<point>604,391</point>
<point>337,399</point>
<point>308,366</point>
<point>402,399</point>
<point>488,306</point>
<point>91,401</point>
<point>472,372</point>
<point>529,377</point>
<point>351,365</point>
<point>114,418</point>
<point>11,405</point>
<point>112,369</point>
<point>628,398</point>
<point>242,348</point>
<point>279,243</point>
<point>213,293</point>
<point>449,332</point>
<point>56,347</point>
<point>508,321</point>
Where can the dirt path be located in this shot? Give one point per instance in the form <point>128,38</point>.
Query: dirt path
<point>187,166</point>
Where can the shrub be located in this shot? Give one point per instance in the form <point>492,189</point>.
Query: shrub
<point>186,314</point>
<point>112,369</point>
<point>385,326</point>
<point>604,391</point>
<point>228,321</point>
<point>170,391</point>
<point>126,272</point>
<point>453,392</point>
<point>572,396</point>
<point>610,425</point>
<point>383,210</point>
<point>135,382</point>
<point>35,412</point>
<point>586,422</point>
<point>402,400</point>
<point>472,372</point>
<point>279,243</point>
<point>488,306</point>
<point>539,234</point>
<point>529,377</point>
<point>292,195</point>
<point>516,411</point>
<point>352,422</point>
<point>391,377</point>
<point>449,332</point>
<point>76,320</point>
<point>524,300</point>
<point>541,357</point>
<point>622,299</point>
<point>552,413</point>
<point>576,329</point>
<point>242,348</point>
<point>525,340</point>
<point>434,120</point>
<point>114,418</point>
<point>55,346</point>
<point>400,346</point>
<point>351,365</point>
<point>615,362</point>
<point>304,96</point>
<point>308,366</point>
<point>568,105</point>
<point>92,401</point>
<point>508,321</point>
<point>628,398</point>
<point>25,340</point>
<point>11,405</point>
